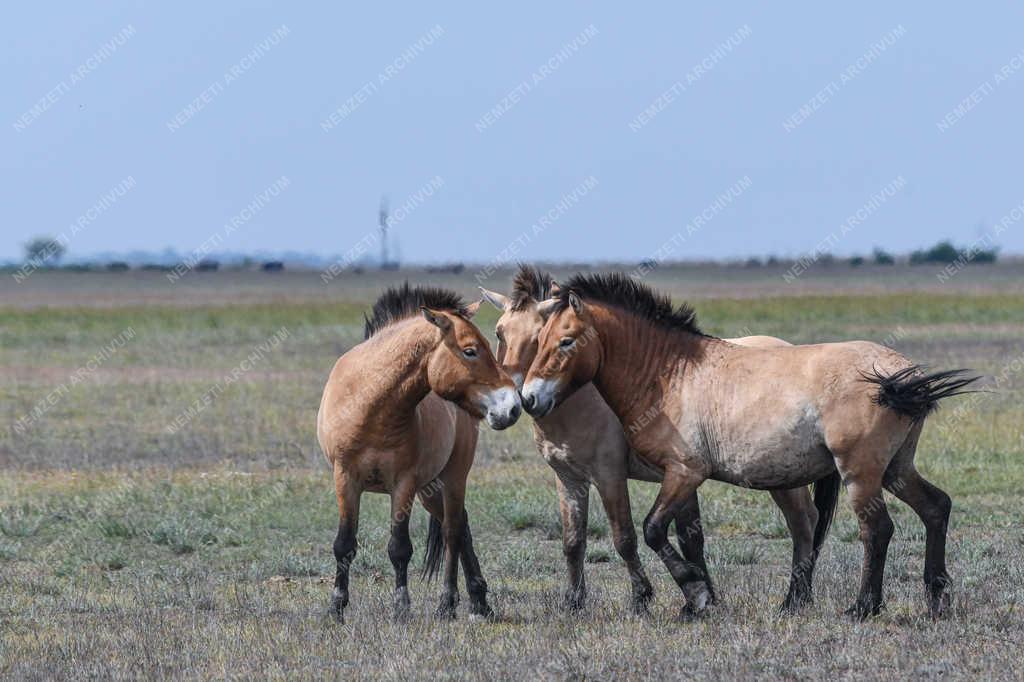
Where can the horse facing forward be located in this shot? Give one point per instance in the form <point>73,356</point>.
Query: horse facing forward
<point>762,418</point>
<point>399,416</point>
<point>584,443</point>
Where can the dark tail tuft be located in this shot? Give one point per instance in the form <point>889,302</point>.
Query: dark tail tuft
<point>434,551</point>
<point>826,497</point>
<point>914,393</point>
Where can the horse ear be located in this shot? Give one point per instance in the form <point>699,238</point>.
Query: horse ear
<point>472,308</point>
<point>555,289</point>
<point>545,307</point>
<point>436,318</point>
<point>494,298</point>
<point>575,302</point>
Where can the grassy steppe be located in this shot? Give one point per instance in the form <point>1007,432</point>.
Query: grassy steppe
<point>131,549</point>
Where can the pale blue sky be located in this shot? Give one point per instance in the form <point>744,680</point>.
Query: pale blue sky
<point>421,124</point>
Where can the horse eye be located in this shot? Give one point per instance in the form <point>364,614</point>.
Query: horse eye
<point>469,352</point>
<point>566,342</point>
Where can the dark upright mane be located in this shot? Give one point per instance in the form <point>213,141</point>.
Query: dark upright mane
<point>398,303</point>
<point>638,298</point>
<point>529,283</point>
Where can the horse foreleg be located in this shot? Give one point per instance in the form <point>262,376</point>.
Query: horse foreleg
<point>677,486</point>
<point>348,494</point>
<point>400,545</point>
<point>574,504</point>
<point>690,532</point>
<point>798,508</point>
<point>615,498</point>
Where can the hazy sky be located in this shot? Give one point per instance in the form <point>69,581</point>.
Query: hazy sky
<point>262,125</point>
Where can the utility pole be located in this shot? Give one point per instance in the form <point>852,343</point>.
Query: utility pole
<point>382,219</point>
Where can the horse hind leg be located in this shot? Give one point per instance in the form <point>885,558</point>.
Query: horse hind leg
<point>454,495</point>
<point>348,494</point>
<point>932,506</point>
<point>476,586</point>
<point>801,516</point>
<point>876,529</point>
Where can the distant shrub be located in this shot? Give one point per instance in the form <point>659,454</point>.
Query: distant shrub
<point>986,255</point>
<point>118,266</point>
<point>45,251</point>
<point>857,261</point>
<point>882,257</point>
<point>944,253</point>
<point>208,266</point>
<point>826,259</point>
<point>753,262</point>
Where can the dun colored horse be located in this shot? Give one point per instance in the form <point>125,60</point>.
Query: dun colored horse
<point>399,415</point>
<point>765,418</point>
<point>583,441</point>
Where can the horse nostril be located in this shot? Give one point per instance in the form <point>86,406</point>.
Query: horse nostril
<point>528,401</point>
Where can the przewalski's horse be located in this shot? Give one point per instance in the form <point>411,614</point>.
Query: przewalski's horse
<point>583,441</point>
<point>399,416</point>
<point>764,418</point>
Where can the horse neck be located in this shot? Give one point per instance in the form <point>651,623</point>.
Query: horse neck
<point>641,364</point>
<point>398,380</point>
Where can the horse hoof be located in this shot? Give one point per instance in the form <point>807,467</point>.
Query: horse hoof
<point>481,612</point>
<point>402,604</point>
<point>793,605</point>
<point>688,614</point>
<point>575,601</point>
<point>446,610</point>
<point>938,607</point>
<point>478,616</point>
<point>861,611</point>
<point>337,611</point>
<point>698,596</point>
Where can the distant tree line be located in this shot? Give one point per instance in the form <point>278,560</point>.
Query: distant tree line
<point>47,252</point>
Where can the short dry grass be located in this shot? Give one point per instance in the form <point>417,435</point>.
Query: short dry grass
<point>128,550</point>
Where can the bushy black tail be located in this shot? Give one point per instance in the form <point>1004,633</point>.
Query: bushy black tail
<point>434,551</point>
<point>914,393</point>
<point>826,497</point>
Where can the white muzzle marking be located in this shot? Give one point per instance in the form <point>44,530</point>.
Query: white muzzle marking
<point>539,395</point>
<point>502,407</point>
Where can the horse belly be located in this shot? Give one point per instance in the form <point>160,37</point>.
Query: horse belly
<point>784,454</point>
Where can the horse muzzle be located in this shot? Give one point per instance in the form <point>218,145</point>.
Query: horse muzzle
<point>539,397</point>
<point>502,407</point>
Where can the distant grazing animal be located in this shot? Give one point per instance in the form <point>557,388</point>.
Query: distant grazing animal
<point>399,416</point>
<point>765,418</point>
<point>584,443</point>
